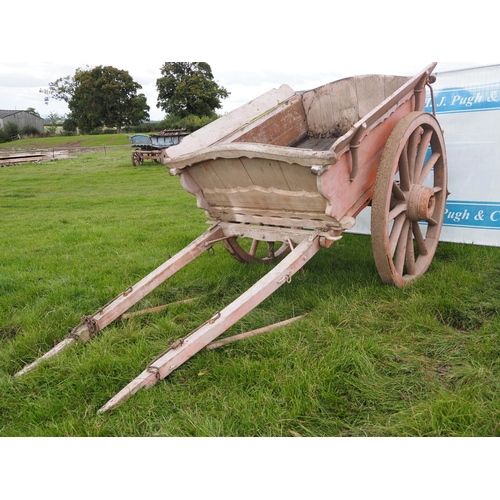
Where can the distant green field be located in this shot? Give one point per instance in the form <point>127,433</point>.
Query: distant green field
<point>84,141</point>
<point>367,360</point>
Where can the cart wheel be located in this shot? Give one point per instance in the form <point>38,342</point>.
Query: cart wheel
<point>136,159</point>
<point>409,199</point>
<point>248,250</point>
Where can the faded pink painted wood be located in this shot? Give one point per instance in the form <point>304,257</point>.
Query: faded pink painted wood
<point>219,323</point>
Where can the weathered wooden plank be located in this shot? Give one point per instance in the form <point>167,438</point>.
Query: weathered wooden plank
<point>232,172</point>
<point>330,104</point>
<point>261,171</point>
<point>290,155</point>
<point>281,129</point>
<point>205,176</point>
<point>26,157</point>
<point>234,124</point>
<point>270,199</point>
<point>278,218</point>
<point>316,144</point>
<point>9,156</point>
<point>299,178</point>
<point>370,91</point>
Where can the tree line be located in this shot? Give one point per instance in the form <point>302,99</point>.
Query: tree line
<point>104,96</point>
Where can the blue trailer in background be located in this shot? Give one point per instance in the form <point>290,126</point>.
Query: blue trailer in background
<point>150,146</point>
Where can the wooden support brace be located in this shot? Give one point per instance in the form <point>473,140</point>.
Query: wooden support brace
<point>155,309</point>
<point>184,349</point>
<point>252,333</point>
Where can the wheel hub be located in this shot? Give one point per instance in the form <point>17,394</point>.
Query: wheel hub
<point>421,203</point>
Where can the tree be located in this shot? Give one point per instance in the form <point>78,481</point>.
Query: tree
<point>189,88</point>
<point>33,111</point>
<point>54,119</point>
<point>69,125</point>
<point>100,96</point>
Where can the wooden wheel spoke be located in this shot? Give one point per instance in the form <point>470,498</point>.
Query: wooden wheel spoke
<point>251,251</point>
<point>396,233</point>
<point>413,143</point>
<point>410,253</point>
<point>431,221</point>
<point>428,167</point>
<point>419,238</point>
<point>402,244</point>
<point>397,193</point>
<point>437,189</point>
<point>398,209</point>
<point>270,249</point>
<point>422,153</point>
<point>404,170</point>
<point>253,247</point>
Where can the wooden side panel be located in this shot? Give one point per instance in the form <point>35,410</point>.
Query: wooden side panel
<point>393,83</point>
<point>226,128</point>
<point>271,200</point>
<point>345,196</point>
<point>329,105</point>
<point>224,173</point>
<point>205,176</point>
<point>231,172</point>
<point>299,178</point>
<point>370,90</point>
<point>333,108</point>
<point>256,183</point>
<point>260,171</point>
<point>373,89</point>
<point>282,129</point>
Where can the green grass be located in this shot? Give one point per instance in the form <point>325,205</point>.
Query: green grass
<point>78,141</point>
<point>367,360</point>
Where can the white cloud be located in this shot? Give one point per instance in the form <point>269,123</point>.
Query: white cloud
<point>20,82</point>
<point>251,47</point>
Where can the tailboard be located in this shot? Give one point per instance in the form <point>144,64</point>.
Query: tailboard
<point>249,186</point>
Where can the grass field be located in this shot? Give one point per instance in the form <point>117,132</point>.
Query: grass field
<point>367,360</point>
<point>77,141</point>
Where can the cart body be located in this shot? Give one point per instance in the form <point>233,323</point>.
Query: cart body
<point>286,158</point>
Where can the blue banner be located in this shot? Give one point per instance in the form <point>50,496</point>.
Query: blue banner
<point>473,214</point>
<point>460,99</point>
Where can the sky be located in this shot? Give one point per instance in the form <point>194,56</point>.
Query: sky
<point>251,49</point>
<point>20,82</point>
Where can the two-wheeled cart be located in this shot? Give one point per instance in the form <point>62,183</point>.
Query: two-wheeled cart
<point>284,175</point>
<point>150,146</point>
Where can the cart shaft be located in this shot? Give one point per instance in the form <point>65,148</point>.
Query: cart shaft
<point>185,348</point>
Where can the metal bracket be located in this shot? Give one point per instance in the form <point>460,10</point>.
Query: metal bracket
<point>354,146</point>
<point>428,84</point>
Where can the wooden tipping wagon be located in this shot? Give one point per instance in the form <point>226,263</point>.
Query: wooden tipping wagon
<point>285,175</point>
<point>150,146</point>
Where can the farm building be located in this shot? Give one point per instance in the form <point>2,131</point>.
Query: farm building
<point>21,118</point>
